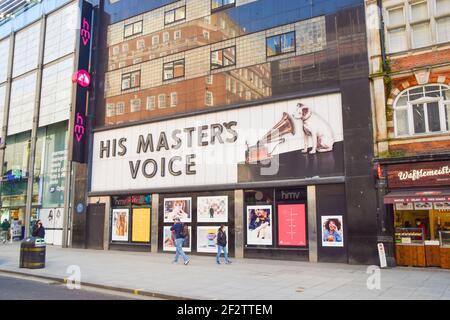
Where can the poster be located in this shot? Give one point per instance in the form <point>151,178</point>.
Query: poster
<point>169,240</point>
<point>423,206</point>
<point>119,225</point>
<point>442,205</point>
<point>4,215</point>
<point>404,206</point>
<point>207,238</point>
<point>291,225</point>
<point>259,225</point>
<point>332,231</point>
<point>141,225</point>
<point>177,207</point>
<point>212,209</point>
<point>52,218</point>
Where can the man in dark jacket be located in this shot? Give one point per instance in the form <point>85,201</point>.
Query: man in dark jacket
<point>39,230</point>
<point>4,228</point>
<point>222,245</point>
<point>180,236</point>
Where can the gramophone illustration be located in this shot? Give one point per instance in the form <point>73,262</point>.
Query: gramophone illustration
<point>260,151</point>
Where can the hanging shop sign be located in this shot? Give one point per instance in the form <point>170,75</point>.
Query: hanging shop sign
<point>83,80</point>
<point>301,138</point>
<point>422,174</point>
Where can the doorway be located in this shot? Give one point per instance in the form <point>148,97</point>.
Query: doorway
<point>95,226</point>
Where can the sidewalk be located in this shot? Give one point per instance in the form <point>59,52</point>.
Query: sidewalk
<point>152,273</point>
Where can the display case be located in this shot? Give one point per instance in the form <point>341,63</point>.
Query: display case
<point>409,236</point>
<point>444,239</point>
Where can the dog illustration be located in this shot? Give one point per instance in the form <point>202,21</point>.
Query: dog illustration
<point>316,128</point>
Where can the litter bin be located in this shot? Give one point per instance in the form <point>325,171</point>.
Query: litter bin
<point>32,253</point>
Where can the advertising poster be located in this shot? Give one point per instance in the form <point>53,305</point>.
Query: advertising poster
<point>259,225</point>
<point>52,218</point>
<point>178,208</point>
<point>332,231</point>
<point>212,209</point>
<point>404,206</point>
<point>169,240</point>
<point>4,215</point>
<point>291,225</point>
<point>207,238</point>
<point>141,225</point>
<point>423,206</point>
<point>119,224</point>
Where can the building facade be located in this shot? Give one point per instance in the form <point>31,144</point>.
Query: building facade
<point>410,65</point>
<point>38,46</point>
<point>251,114</point>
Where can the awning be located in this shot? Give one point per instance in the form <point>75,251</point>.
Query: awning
<point>442,195</point>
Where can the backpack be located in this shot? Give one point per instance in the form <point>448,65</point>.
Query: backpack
<point>184,232</point>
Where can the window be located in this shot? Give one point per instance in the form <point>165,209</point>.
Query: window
<point>150,103</point>
<point>120,108</point>
<point>173,99</point>
<point>131,80</point>
<point>140,44</point>
<point>116,51</point>
<point>422,110</point>
<point>175,15</point>
<point>166,37</point>
<point>223,58</point>
<point>280,44</point>
<point>132,29</point>
<point>110,110</point>
<point>177,35</point>
<point>228,84</point>
<point>155,40</point>
<point>125,48</point>
<point>173,70</point>
<point>206,34</point>
<point>209,99</point>
<point>221,4</point>
<point>161,101</point>
<point>135,105</point>
<point>209,79</point>
<point>417,24</point>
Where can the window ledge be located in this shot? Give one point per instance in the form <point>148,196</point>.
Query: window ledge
<point>421,136</point>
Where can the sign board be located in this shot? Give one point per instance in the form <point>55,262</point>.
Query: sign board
<point>421,174</point>
<point>382,255</point>
<point>81,95</point>
<point>248,144</point>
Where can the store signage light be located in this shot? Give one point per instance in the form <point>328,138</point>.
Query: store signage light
<point>82,77</point>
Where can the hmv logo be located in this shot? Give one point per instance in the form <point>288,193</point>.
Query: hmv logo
<point>290,195</point>
<point>79,127</point>
<point>85,32</point>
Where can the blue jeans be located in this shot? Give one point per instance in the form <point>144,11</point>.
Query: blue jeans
<point>179,245</point>
<point>225,252</point>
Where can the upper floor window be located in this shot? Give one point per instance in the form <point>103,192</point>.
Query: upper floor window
<point>150,103</point>
<point>223,58</point>
<point>173,70</point>
<point>131,80</point>
<point>417,24</point>
<point>135,105</point>
<point>422,110</point>
<point>222,4</point>
<point>175,15</point>
<point>280,44</point>
<point>132,29</point>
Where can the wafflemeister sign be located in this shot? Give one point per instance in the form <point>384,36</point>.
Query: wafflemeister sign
<point>82,85</point>
<point>292,139</point>
<point>419,174</point>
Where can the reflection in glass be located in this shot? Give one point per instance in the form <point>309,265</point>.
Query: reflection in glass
<point>279,44</point>
<point>419,118</point>
<point>434,124</point>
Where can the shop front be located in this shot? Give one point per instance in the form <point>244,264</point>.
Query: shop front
<point>278,190</point>
<point>419,200</point>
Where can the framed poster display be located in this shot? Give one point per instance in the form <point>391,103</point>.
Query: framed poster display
<point>259,225</point>
<point>120,225</point>
<point>178,208</point>
<point>291,225</point>
<point>169,240</point>
<point>207,238</point>
<point>332,231</point>
<point>140,231</point>
<point>212,209</point>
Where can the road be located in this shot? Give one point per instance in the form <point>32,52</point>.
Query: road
<point>28,288</point>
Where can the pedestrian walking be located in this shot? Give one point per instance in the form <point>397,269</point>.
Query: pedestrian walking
<point>181,234</point>
<point>222,245</point>
<point>39,230</point>
<point>4,229</point>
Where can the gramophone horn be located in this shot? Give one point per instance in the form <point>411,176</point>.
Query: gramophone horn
<point>283,127</point>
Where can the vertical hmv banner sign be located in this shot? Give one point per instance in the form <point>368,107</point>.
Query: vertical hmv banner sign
<point>82,81</point>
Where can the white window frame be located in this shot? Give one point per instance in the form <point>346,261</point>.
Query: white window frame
<point>442,103</point>
<point>173,99</point>
<point>118,106</point>
<point>161,105</point>
<point>134,103</point>
<point>151,103</point>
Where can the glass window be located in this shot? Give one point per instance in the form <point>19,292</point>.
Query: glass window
<point>279,44</point>
<point>223,58</point>
<point>120,108</point>
<point>132,29</point>
<point>150,103</point>
<point>177,35</point>
<point>421,35</point>
<point>397,40</point>
<point>443,29</point>
<point>396,17</point>
<point>161,101</point>
<point>166,37</point>
<point>175,15</point>
<point>140,44</point>
<point>155,40</point>
<point>209,99</point>
<point>110,110</point>
<point>173,70</point>
<point>419,11</point>
<point>4,53</point>
<point>221,4</point>
<point>442,6</point>
<point>173,99</point>
<point>135,105</point>
<point>427,109</point>
<point>26,49</point>
<point>131,80</point>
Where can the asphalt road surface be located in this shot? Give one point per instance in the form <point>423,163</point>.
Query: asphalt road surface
<point>14,287</point>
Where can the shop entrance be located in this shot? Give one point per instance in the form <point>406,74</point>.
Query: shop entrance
<point>95,226</point>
